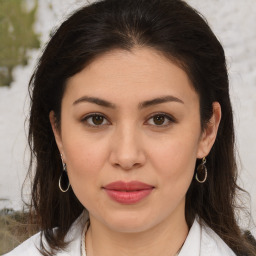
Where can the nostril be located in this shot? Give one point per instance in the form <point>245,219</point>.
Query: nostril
<point>127,166</point>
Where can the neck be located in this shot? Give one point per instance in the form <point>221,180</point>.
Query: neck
<point>166,238</point>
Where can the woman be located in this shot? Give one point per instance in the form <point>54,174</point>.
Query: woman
<point>132,132</point>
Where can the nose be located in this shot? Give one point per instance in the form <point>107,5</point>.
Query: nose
<point>127,148</point>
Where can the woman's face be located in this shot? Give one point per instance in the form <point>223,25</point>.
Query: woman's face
<point>130,136</point>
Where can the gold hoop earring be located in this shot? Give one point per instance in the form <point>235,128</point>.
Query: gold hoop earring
<point>64,180</point>
<point>201,172</point>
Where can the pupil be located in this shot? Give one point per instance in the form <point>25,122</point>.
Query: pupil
<point>97,120</point>
<point>158,120</point>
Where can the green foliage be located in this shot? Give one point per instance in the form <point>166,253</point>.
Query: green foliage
<point>14,229</point>
<point>16,36</point>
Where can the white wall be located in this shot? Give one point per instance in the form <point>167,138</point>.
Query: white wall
<point>233,21</point>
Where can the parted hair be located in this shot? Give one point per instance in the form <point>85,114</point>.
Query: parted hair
<point>181,34</point>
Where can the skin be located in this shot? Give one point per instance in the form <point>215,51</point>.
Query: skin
<point>129,145</point>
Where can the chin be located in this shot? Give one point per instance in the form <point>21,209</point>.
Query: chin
<point>129,222</point>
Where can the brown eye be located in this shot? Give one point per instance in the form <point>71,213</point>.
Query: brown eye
<point>159,119</point>
<point>95,120</point>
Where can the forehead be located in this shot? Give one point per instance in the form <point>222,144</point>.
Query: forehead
<point>140,73</point>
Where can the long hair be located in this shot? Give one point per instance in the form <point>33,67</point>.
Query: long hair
<point>180,33</point>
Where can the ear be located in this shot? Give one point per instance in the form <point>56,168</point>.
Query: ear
<point>56,132</point>
<point>209,134</point>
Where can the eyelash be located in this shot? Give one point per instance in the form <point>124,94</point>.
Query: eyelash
<point>170,119</point>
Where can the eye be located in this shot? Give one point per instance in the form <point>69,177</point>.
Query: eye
<point>95,120</point>
<point>161,119</point>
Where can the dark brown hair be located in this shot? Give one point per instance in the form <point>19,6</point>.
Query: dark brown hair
<point>180,33</point>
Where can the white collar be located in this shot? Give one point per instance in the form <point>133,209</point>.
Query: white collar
<point>201,240</point>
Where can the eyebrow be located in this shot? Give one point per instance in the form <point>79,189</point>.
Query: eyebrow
<point>141,105</point>
<point>95,100</point>
<point>159,100</point>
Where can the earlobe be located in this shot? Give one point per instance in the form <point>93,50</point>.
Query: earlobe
<point>210,132</point>
<point>56,131</point>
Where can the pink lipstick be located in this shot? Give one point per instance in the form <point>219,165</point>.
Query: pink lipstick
<point>128,192</point>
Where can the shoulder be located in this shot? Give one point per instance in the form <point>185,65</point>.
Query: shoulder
<point>202,240</point>
<point>31,247</point>
<point>212,244</point>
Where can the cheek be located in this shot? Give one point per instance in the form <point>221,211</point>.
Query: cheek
<point>85,158</point>
<point>174,159</point>
<point>84,163</point>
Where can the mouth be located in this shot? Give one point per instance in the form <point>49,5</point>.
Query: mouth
<point>128,192</point>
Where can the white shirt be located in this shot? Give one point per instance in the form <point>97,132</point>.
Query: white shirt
<point>201,241</point>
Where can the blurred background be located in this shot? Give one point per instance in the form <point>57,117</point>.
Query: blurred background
<point>25,26</point>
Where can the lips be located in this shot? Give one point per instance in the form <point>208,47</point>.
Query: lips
<point>128,192</point>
